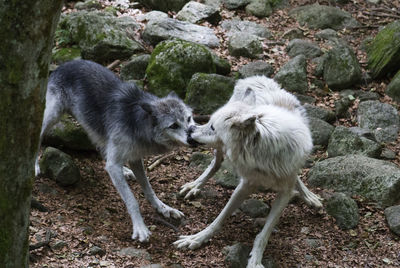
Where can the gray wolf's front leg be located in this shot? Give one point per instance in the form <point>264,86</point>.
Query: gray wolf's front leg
<point>193,188</point>
<point>165,210</point>
<point>115,170</point>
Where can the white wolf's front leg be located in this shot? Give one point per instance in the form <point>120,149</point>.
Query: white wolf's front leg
<point>196,240</point>
<point>162,208</point>
<point>193,188</point>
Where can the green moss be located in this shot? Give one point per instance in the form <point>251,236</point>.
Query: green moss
<point>65,54</point>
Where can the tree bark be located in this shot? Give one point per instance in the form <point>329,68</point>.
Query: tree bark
<point>26,34</point>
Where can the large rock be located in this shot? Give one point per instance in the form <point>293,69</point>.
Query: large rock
<point>319,112</point>
<point>167,28</point>
<point>173,63</point>
<point>233,4</point>
<point>163,5</point>
<point>320,131</point>
<point>344,210</point>
<point>380,118</point>
<point>341,67</point>
<point>101,36</point>
<point>207,92</point>
<point>374,179</point>
<point>195,12</point>
<point>384,51</point>
<point>88,5</point>
<point>236,26</point>
<point>67,133</point>
<point>303,47</point>
<point>244,44</point>
<point>393,218</point>
<point>393,89</point>
<point>135,252</point>
<point>59,166</point>
<point>254,208</point>
<point>293,75</point>
<point>260,8</point>
<point>236,255</point>
<point>344,141</point>
<point>321,17</point>
<point>256,68</point>
<point>135,68</point>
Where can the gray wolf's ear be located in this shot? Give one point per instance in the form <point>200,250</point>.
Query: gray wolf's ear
<point>245,121</point>
<point>148,108</point>
<point>250,94</point>
<point>172,94</point>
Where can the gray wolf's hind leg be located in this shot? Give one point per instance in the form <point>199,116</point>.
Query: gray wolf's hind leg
<point>165,210</point>
<point>193,188</point>
<point>52,114</point>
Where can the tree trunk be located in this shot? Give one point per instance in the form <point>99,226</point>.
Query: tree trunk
<point>26,34</point>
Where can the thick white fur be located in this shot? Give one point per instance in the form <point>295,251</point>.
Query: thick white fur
<point>263,130</point>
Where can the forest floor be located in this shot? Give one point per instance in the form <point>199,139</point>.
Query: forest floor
<point>92,213</point>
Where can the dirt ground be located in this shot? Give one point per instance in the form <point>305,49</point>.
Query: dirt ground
<point>92,213</point>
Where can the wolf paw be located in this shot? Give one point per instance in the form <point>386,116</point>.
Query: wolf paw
<point>253,263</point>
<point>191,189</point>
<point>141,233</point>
<point>37,170</point>
<point>191,241</point>
<point>169,212</point>
<point>128,174</point>
<point>313,200</point>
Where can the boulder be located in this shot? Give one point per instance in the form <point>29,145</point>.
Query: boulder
<point>236,255</point>
<point>167,28</point>
<point>384,51</point>
<point>163,5</point>
<point>319,112</point>
<point>293,33</point>
<point>254,208</point>
<point>195,12</point>
<point>152,15</point>
<point>173,63</point>
<point>207,92</point>
<point>135,68</point>
<point>293,75</point>
<point>234,4</point>
<point>374,179</point>
<point>260,8</point>
<point>59,166</point>
<point>321,17</point>
<point>393,218</point>
<point>320,130</point>
<point>344,210</point>
<point>67,133</point>
<point>341,67</point>
<point>344,141</point>
<point>256,68</point>
<point>246,45</point>
<point>223,67</point>
<point>88,5</point>
<point>326,34</point>
<point>237,26</point>
<point>303,47</point>
<point>381,118</point>
<point>134,252</point>
<point>393,89</point>
<point>101,36</point>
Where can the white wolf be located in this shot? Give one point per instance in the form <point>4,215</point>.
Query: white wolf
<point>264,131</point>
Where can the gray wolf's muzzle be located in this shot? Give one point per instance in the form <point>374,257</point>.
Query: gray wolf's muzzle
<point>190,140</point>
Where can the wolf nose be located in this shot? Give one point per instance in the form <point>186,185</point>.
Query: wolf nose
<point>191,129</point>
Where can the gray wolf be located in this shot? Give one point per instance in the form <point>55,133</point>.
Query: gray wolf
<point>264,131</point>
<point>123,122</point>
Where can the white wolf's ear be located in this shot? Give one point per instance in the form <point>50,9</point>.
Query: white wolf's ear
<point>172,94</point>
<point>245,121</point>
<point>250,95</point>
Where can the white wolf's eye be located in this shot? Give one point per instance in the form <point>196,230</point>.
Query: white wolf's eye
<point>189,118</point>
<point>212,128</point>
<point>174,126</point>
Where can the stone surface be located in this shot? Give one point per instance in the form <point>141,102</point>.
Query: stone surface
<point>88,5</point>
<point>344,141</point>
<point>135,68</point>
<point>384,51</point>
<point>380,118</point>
<point>234,4</point>
<point>173,63</point>
<point>321,17</point>
<point>244,44</point>
<point>195,12</point>
<point>293,75</point>
<point>374,179</point>
<point>319,112</point>
<point>134,252</point>
<point>238,26</point>
<point>256,68</point>
<point>167,28</point>
<point>254,208</point>
<point>152,15</point>
<point>326,34</point>
<point>293,34</point>
<point>393,218</point>
<point>320,130</point>
<point>260,8</point>
<point>207,92</point>
<point>170,5</point>
<point>236,255</point>
<point>303,47</point>
<point>344,210</point>
<point>393,89</point>
<point>62,55</point>
<point>59,166</point>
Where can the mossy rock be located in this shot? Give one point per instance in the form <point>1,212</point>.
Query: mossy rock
<point>173,63</point>
<point>293,75</point>
<point>88,5</point>
<point>135,68</point>
<point>207,92</point>
<point>66,54</point>
<point>164,5</point>
<point>344,210</point>
<point>393,89</point>
<point>384,51</point>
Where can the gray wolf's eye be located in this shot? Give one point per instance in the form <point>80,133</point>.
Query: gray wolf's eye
<point>188,120</point>
<point>174,126</point>
<point>212,128</point>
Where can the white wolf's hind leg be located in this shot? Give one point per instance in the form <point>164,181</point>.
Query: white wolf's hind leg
<point>306,195</point>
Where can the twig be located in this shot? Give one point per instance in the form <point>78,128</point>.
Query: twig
<point>158,161</point>
<point>173,227</point>
<point>113,64</point>
<point>46,242</point>
<point>364,27</point>
<point>385,10</point>
<point>385,15</point>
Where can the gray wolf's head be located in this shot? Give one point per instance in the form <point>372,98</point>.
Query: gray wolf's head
<point>172,119</point>
<point>225,124</point>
